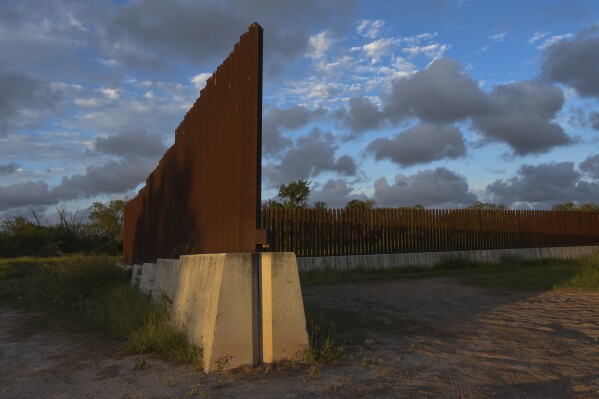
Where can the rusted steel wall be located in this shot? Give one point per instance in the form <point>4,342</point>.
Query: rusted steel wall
<point>334,232</point>
<point>204,196</point>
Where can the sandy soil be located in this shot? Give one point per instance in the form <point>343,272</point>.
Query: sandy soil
<point>425,338</point>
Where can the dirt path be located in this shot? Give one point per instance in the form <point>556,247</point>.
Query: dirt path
<point>424,338</point>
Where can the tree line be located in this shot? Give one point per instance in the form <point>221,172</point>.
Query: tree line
<point>297,195</point>
<point>100,234</point>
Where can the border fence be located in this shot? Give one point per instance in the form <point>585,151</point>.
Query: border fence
<point>331,232</point>
<point>204,196</point>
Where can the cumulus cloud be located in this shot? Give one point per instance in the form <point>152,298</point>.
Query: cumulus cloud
<point>9,168</point>
<point>544,185</point>
<point>591,166</point>
<point>27,193</point>
<point>336,193</point>
<point>362,115</point>
<point>24,99</point>
<point>130,143</point>
<point>111,178</point>
<point>420,144</point>
<point>278,120</point>
<point>310,156</point>
<point>521,115</point>
<point>137,152</point>
<point>440,187</point>
<point>574,62</point>
<point>440,93</point>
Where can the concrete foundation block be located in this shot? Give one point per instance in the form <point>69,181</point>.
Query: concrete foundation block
<point>135,274</point>
<point>283,317</point>
<point>166,280</point>
<point>147,277</point>
<point>216,302</point>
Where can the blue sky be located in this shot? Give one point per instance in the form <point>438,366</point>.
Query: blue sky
<point>439,102</point>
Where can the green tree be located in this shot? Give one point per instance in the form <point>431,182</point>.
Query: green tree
<point>486,206</point>
<point>587,206</point>
<point>320,205</point>
<point>571,206</point>
<point>106,220</point>
<point>20,237</point>
<point>295,194</point>
<point>360,204</point>
<point>271,203</point>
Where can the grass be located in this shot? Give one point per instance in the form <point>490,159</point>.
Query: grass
<point>511,274</point>
<point>93,293</point>
<point>325,346</point>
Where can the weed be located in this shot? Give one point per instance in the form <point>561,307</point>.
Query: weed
<point>223,362</point>
<point>158,336</point>
<point>323,347</point>
<point>192,391</point>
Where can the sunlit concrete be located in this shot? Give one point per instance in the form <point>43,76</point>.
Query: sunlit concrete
<point>283,318</point>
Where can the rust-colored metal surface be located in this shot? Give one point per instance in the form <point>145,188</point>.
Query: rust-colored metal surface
<point>333,232</point>
<point>204,196</point>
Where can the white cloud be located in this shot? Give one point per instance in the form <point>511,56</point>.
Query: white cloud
<point>431,51</point>
<point>199,80</point>
<point>420,37</point>
<point>379,48</point>
<point>543,40</point>
<point>369,28</point>
<point>111,94</point>
<point>554,39</point>
<point>498,37</point>
<point>537,36</point>
<point>319,44</point>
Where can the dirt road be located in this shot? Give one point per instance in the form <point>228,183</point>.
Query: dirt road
<point>429,338</point>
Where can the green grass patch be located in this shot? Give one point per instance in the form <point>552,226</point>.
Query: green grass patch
<point>586,277</point>
<point>511,274</point>
<point>92,293</point>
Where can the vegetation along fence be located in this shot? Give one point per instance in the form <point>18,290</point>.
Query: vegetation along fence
<point>328,232</point>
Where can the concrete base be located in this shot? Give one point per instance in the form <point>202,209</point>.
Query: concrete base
<point>146,278</point>
<point>283,318</point>
<point>135,274</point>
<point>216,303</point>
<point>430,259</point>
<point>217,300</point>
